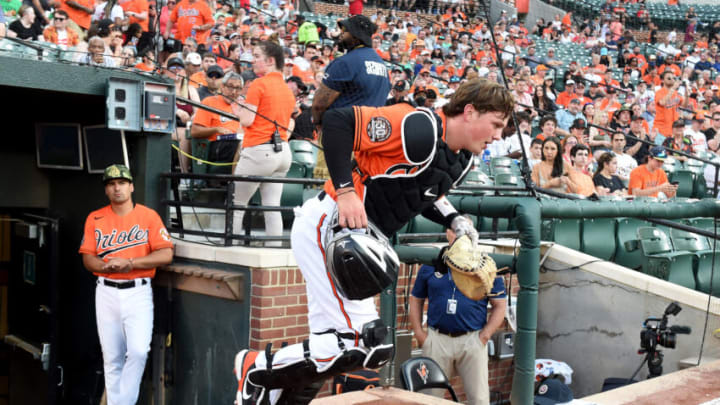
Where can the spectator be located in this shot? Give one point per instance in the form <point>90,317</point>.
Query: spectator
<point>214,78</point>
<point>128,56</point>
<point>513,141</point>
<point>266,116</point>
<point>552,172</point>
<point>192,18</point>
<point>699,143</point>
<point>548,126</point>
<point>302,115</point>
<point>175,71</point>
<point>621,119</point>
<point>399,93</point>
<point>625,162</point>
<point>551,60</point>
<point>136,12</point>
<point>3,28</point>
<point>579,182</point>
<point>638,148</point>
<point>148,60</point>
<point>678,140</point>
<point>535,153</point>
<point>650,179</point>
<point>456,336</point>
<point>598,135</point>
<point>563,99</point>
<point>193,64</point>
<point>567,143</point>
<point>58,32</point>
<point>116,13</point>
<point>565,117</point>
<point>199,78</point>
<point>713,133</point>
<point>606,181</point>
<point>96,54</point>
<point>523,99</point>
<point>24,27</point>
<point>79,11</point>
<point>542,102</point>
<point>223,133</point>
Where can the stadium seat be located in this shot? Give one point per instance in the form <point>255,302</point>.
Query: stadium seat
<point>662,262</point>
<point>699,245</point>
<point>567,233</point>
<point>595,240</point>
<point>686,180</point>
<point>626,237</point>
<point>419,373</point>
<point>200,149</point>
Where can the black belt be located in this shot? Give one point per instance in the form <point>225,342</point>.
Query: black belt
<point>346,335</point>
<point>122,285</point>
<point>452,334</point>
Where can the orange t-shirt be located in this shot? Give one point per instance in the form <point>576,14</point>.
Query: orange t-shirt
<point>198,79</point>
<point>210,119</point>
<point>142,66</point>
<point>564,98</point>
<point>137,6</point>
<point>80,17</point>
<point>583,182</point>
<point>665,116</point>
<point>275,102</point>
<point>187,14</point>
<point>641,178</point>
<point>136,234</point>
<point>674,68</point>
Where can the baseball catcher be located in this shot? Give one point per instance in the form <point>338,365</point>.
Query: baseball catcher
<point>406,160</point>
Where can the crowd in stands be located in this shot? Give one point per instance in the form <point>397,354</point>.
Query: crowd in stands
<point>662,91</point>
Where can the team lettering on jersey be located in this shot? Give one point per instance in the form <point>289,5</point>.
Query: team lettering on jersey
<point>375,68</point>
<point>402,168</point>
<point>114,241</point>
<point>188,12</point>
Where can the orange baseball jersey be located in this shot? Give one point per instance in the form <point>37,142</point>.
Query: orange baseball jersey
<point>210,119</point>
<point>136,234</point>
<point>185,15</point>
<point>139,7</point>
<point>378,145</point>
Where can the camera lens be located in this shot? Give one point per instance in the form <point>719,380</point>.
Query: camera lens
<point>668,340</point>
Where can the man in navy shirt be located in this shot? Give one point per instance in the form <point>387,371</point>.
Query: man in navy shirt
<point>458,327</point>
<point>358,78</point>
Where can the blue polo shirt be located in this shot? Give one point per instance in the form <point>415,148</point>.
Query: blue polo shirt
<point>360,76</point>
<point>470,315</point>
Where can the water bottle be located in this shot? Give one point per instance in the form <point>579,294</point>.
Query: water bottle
<point>486,156</point>
<point>192,33</point>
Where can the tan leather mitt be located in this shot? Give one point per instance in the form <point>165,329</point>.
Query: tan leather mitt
<point>473,271</point>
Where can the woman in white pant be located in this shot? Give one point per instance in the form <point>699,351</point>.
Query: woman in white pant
<point>268,108</point>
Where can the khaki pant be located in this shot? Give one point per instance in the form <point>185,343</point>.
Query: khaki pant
<point>465,356</point>
<point>262,160</point>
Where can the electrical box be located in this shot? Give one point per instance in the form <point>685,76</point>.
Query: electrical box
<point>503,344</point>
<point>159,110</point>
<point>123,103</point>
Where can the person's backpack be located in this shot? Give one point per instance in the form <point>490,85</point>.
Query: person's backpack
<point>359,380</point>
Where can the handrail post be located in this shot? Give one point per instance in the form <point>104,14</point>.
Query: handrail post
<point>229,212</point>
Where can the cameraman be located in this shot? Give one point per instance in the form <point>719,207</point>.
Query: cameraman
<point>302,114</point>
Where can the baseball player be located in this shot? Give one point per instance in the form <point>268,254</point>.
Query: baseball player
<point>406,159</point>
<point>122,245</point>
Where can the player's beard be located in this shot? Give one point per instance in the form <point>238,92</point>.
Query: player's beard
<point>348,43</point>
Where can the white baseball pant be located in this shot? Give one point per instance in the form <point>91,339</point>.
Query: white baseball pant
<point>125,324</point>
<point>262,160</point>
<point>327,308</point>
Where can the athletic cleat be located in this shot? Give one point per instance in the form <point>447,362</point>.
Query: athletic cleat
<point>244,362</point>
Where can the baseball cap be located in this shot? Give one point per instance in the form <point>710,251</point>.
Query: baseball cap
<point>658,152</point>
<point>215,72</point>
<point>397,69</point>
<point>113,172</point>
<point>569,82</point>
<point>424,71</point>
<point>289,61</point>
<point>637,118</point>
<point>552,391</point>
<point>578,123</point>
<point>175,61</point>
<point>359,27</point>
<point>317,59</point>
<point>575,101</point>
<point>401,85</point>
<point>678,123</point>
<point>193,58</point>
<point>549,76</point>
<point>105,25</point>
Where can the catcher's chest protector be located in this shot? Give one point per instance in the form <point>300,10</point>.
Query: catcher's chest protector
<point>391,202</point>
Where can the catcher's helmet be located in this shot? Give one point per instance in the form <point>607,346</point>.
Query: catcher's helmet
<point>361,264</point>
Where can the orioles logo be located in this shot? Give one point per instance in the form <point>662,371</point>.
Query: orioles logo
<point>422,372</point>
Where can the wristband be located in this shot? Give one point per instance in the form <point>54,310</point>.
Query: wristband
<point>345,192</point>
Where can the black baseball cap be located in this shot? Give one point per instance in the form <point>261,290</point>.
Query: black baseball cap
<point>215,72</point>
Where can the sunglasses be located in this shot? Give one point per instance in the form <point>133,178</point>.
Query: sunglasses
<point>175,68</point>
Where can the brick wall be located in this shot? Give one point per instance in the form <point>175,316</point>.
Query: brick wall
<point>278,313</point>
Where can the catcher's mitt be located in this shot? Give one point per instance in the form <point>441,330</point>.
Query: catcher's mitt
<point>473,271</point>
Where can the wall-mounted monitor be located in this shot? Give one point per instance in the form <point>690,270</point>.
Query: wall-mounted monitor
<point>104,147</point>
<point>58,146</point>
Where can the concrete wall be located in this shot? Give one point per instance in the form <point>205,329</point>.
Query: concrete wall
<point>539,9</point>
<point>591,319</point>
<point>497,6</point>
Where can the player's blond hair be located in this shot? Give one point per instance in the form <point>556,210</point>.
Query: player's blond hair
<point>484,95</point>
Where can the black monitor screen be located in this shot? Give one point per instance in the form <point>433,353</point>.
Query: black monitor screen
<point>58,146</point>
<point>104,147</point>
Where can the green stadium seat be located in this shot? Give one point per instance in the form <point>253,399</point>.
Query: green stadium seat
<point>567,233</point>
<point>706,266</point>
<point>686,181</point>
<point>664,263</point>
<point>200,149</point>
<point>595,237</point>
<point>626,236</point>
